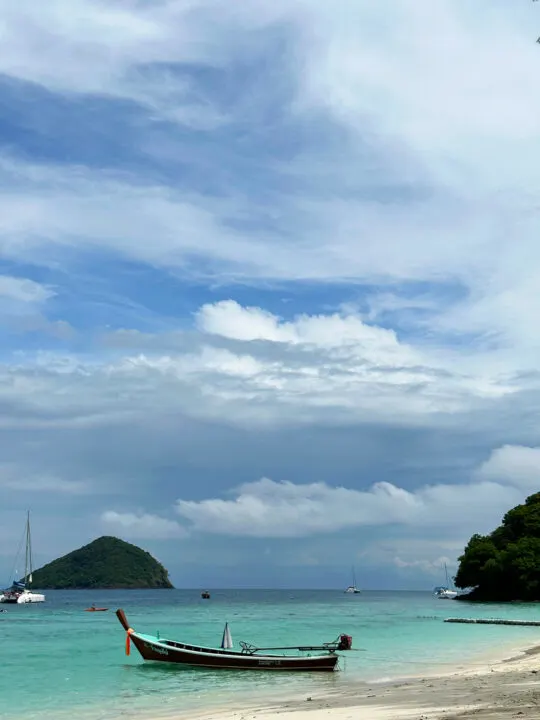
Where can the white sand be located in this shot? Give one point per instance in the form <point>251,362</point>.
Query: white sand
<point>491,690</point>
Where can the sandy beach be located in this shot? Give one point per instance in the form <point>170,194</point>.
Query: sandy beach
<point>489,690</point>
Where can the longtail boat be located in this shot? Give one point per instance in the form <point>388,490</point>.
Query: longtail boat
<point>153,647</point>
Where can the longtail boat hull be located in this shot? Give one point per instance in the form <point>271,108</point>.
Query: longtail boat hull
<point>167,651</point>
<point>160,650</point>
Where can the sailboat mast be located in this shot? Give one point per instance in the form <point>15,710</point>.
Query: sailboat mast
<point>28,554</point>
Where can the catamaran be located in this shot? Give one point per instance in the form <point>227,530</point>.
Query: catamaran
<point>20,593</point>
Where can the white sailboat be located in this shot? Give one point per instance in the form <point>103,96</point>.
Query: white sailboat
<point>352,588</point>
<point>444,592</point>
<point>20,592</point>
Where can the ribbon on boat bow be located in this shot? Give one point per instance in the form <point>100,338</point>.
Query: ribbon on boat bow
<point>128,640</point>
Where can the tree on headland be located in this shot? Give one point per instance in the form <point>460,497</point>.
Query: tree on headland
<point>505,565</point>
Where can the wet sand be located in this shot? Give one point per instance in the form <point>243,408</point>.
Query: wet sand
<point>491,690</point>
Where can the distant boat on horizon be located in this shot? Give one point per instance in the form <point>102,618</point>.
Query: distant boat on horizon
<point>352,589</point>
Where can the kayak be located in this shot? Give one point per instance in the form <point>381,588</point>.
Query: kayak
<point>92,609</point>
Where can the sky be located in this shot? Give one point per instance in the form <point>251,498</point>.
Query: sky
<point>269,283</point>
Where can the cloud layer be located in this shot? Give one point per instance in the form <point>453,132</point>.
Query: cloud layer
<point>431,520</point>
<point>299,244</point>
<point>248,366</point>
<point>282,509</point>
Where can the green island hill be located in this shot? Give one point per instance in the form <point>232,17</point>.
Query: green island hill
<point>105,563</point>
<point>504,566</point>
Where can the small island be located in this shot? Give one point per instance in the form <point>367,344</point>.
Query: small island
<point>504,566</point>
<point>106,563</point>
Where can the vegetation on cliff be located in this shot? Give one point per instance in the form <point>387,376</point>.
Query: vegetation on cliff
<point>105,563</point>
<point>505,565</point>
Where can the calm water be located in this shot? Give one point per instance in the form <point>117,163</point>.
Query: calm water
<point>57,658</point>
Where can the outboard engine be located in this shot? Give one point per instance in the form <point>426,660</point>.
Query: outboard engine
<point>345,642</point>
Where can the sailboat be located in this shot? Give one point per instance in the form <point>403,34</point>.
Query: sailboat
<point>444,592</point>
<point>20,593</point>
<point>352,588</point>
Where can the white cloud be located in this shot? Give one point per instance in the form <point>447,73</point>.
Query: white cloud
<point>448,89</point>
<point>22,306</point>
<point>438,110</point>
<point>23,290</point>
<point>354,57</point>
<point>142,525</point>
<point>439,76</point>
<point>120,214</point>
<point>324,369</point>
<point>54,50</point>
<point>283,509</point>
<point>513,464</point>
<point>424,528</point>
<point>343,360</point>
<point>421,164</point>
<point>229,319</point>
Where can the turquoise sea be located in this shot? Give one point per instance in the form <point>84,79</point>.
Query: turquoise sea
<point>58,660</point>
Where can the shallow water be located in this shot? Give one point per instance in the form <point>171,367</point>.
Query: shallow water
<point>59,659</point>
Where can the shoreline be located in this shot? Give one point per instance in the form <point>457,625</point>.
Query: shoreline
<point>492,687</point>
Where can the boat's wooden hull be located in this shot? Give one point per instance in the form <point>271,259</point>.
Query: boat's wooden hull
<point>168,651</point>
